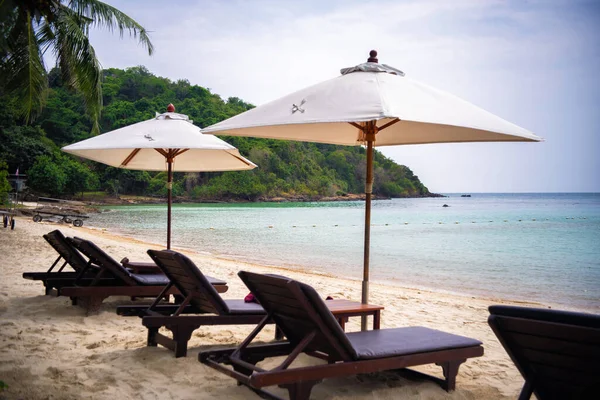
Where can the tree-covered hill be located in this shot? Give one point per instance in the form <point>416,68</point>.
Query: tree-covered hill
<point>288,169</point>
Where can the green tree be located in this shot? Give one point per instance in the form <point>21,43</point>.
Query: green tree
<point>60,174</point>
<point>158,185</point>
<point>79,176</point>
<point>119,180</point>
<point>20,146</point>
<point>46,176</point>
<point>4,183</point>
<point>28,28</point>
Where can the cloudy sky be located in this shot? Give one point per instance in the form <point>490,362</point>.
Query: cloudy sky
<point>535,63</point>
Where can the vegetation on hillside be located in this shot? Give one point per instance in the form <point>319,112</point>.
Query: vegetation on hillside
<point>289,169</point>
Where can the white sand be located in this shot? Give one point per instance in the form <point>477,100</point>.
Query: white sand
<point>49,349</point>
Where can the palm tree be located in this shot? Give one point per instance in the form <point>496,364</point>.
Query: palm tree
<point>29,28</point>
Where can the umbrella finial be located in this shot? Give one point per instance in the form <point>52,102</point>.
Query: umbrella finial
<point>373,57</point>
<point>171,108</point>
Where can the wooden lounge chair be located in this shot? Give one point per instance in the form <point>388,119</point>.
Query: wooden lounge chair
<point>127,283</point>
<point>200,297</point>
<point>557,352</point>
<point>82,271</point>
<point>311,328</point>
<point>55,277</point>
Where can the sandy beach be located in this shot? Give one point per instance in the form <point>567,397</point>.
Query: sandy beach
<point>50,349</point>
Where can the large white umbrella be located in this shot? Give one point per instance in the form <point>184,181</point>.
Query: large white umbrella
<point>372,104</point>
<point>169,141</point>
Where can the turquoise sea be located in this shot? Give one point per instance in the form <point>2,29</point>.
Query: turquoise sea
<point>538,247</point>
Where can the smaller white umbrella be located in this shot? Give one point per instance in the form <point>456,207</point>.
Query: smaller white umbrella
<point>169,141</point>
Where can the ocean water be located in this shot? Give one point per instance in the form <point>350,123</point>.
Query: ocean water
<point>533,247</point>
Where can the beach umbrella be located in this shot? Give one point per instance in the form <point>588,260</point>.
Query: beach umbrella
<point>372,104</point>
<point>170,142</point>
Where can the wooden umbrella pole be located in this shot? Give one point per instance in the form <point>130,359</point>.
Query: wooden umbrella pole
<point>370,131</point>
<point>169,198</point>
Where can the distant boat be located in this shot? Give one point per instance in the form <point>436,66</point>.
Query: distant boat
<point>465,195</point>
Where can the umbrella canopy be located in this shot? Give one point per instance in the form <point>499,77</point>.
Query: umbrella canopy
<point>329,112</point>
<point>169,141</point>
<point>372,104</point>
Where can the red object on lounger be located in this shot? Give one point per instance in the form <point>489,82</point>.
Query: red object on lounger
<point>250,298</point>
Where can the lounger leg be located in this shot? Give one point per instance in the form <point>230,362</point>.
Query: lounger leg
<point>181,336</point>
<point>152,332</point>
<point>91,304</point>
<point>300,390</point>
<point>47,289</point>
<point>450,371</point>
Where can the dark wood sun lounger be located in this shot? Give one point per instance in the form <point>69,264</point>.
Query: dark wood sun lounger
<point>311,328</point>
<point>127,283</point>
<point>200,297</point>
<point>82,271</point>
<point>557,352</point>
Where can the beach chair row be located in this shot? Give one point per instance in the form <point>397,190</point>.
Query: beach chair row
<point>557,352</point>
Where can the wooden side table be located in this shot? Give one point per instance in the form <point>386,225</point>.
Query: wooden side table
<point>344,309</point>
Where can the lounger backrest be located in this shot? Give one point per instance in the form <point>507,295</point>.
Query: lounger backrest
<point>557,352</point>
<point>59,242</point>
<point>298,310</point>
<point>189,280</point>
<point>103,260</point>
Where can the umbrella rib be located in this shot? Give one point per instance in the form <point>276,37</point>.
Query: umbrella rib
<point>179,152</point>
<point>163,152</point>
<point>389,124</point>
<point>362,128</point>
<point>130,157</point>
<point>240,158</point>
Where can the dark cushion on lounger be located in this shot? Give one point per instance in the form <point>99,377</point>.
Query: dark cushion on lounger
<point>150,279</point>
<point>215,281</point>
<point>403,341</point>
<point>241,307</point>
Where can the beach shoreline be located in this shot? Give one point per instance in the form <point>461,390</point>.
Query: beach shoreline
<point>50,349</point>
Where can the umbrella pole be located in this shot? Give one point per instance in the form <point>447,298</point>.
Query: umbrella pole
<point>169,199</point>
<point>370,137</point>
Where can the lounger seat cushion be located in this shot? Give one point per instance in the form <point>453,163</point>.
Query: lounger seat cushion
<point>161,279</point>
<point>151,279</point>
<point>239,307</point>
<point>214,281</point>
<point>402,341</point>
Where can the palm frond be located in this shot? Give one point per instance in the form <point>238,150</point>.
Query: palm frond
<point>22,70</point>
<point>46,36</point>
<point>78,62</point>
<point>106,16</point>
<point>7,22</point>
